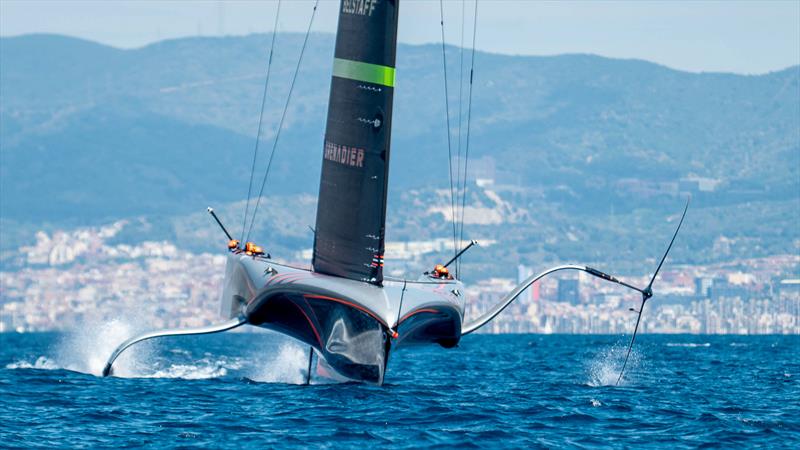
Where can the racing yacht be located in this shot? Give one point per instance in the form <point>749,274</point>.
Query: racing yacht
<point>343,308</point>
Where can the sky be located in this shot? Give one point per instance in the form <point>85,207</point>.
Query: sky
<point>748,37</point>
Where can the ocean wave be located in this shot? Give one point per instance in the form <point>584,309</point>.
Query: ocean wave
<point>41,363</point>
<point>190,372</point>
<point>200,370</point>
<point>203,369</point>
<point>494,390</point>
<point>688,344</point>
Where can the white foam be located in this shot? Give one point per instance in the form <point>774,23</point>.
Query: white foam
<point>288,365</point>
<point>41,363</point>
<point>190,372</point>
<point>688,344</point>
<point>604,368</point>
<point>88,349</point>
<point>206,368</point>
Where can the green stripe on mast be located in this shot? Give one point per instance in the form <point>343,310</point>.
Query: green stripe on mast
<point>361,71</point>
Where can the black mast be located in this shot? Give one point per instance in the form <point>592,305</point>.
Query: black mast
<point>351,215</point>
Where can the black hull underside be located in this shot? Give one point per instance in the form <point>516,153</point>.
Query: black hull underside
<point>353,343</point>
<point>351,325</point>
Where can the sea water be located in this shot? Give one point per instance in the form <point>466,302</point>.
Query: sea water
<point>246,390</point>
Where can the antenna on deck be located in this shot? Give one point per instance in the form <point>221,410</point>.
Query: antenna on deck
<point>230,238</point>
<point>458,255</point>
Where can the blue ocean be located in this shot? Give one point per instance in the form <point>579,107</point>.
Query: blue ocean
<point>245,390</point>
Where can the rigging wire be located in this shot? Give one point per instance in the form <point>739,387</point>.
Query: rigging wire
<point>460,114</point>
<point>469,119</point>
<point>260,119</point>
<point>283,117</point>
<point>449,145</point>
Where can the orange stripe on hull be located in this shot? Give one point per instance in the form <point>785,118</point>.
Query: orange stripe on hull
<point>424,310</point>
<point>345,302</point>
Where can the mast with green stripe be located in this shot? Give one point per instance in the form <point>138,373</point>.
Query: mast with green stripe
<point>361,71</point>
<point>351,214</point>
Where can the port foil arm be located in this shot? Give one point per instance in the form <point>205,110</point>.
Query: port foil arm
<point>218,328</point>
<point>508,299</point>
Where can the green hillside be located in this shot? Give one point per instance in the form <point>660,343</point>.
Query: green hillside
<point>598,146</point>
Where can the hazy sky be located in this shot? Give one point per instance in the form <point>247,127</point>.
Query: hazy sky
<point>735,36</point>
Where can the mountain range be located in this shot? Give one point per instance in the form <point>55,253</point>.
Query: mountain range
<point>584,146</point>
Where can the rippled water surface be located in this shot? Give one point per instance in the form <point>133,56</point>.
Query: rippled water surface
<point>244,390</point>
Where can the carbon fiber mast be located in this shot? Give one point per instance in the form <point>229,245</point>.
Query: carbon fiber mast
<point>351,214</point>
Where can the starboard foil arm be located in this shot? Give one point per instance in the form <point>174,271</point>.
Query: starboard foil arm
<point>508,299</point>
<point>646,293</point>
<point>218,328</point>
